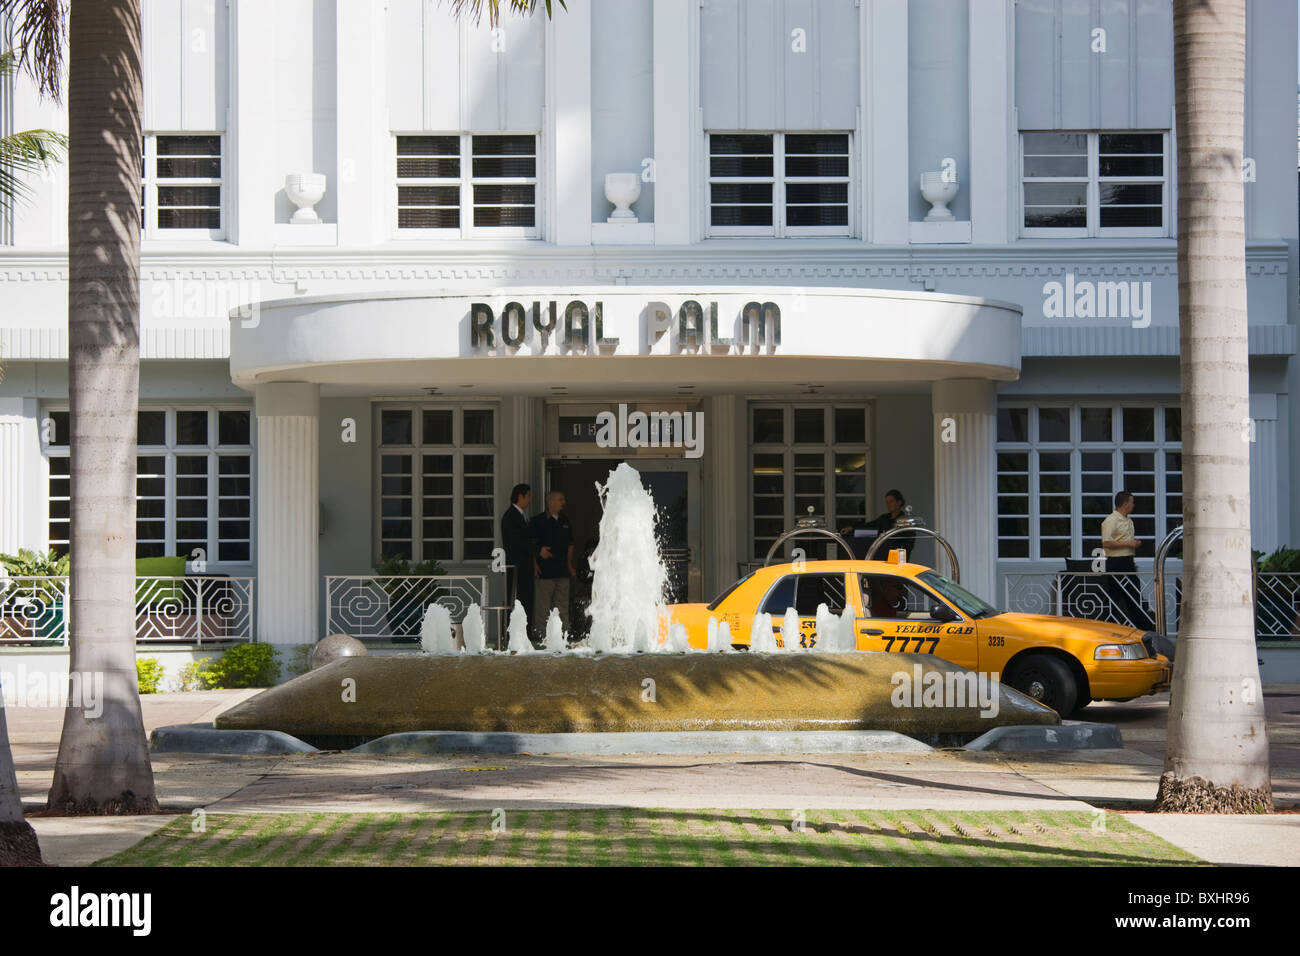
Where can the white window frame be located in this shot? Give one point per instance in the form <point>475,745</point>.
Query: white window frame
<point>779,180</point>
<point>1076,447</point>
<point>458,449</point>
<point>169,451</point>
<point>149,198</point>
<point>1094,181</point>
<point>466,182</point>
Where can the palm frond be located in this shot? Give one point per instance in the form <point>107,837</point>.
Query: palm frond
<point>475,8</point>
<point>39,27</point>
<point>30,151</point>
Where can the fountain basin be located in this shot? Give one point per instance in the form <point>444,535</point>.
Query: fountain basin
<point>541,693</point>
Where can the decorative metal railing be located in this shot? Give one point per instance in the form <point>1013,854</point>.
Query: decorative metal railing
<point>215,608</point>
<point>1127,598</point>
<point>1277,606</point>
<point>34,610</point>
<point>373,607</point>
<point>1123,597</point>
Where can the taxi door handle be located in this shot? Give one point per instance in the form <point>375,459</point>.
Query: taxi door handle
<point>869,630</point>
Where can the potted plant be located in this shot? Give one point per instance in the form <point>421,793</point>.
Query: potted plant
<point>1277,600</point>
<point>406,600</point>
<point>33,609</point>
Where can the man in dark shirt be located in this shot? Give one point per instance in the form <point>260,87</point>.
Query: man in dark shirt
<point>894,504</point>
<point>554,540</point>
<point>516,540</point>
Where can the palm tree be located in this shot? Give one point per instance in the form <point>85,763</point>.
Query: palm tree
<point>24,152</point>
<point>103,764</point>
<point>1217,752</point>
<point>21,153</point>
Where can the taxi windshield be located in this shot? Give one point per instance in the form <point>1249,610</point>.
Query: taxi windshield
<point>723,596</point>
<point>958,595</point>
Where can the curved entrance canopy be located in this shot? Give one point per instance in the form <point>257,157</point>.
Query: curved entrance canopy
<point>621,338</point>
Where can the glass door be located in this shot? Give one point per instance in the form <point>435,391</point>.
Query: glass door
<point>675,486</point>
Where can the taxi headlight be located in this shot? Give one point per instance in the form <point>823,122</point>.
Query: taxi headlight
<point>1120,652</point>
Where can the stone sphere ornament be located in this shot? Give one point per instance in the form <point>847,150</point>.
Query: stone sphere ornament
<point>335,647</point>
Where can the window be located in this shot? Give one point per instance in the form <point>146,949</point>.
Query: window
<point>193,483</point>
<point>437,485</point>
<point>804,592</point>
<point>451,185</point>
<point>1059,466</point>
<point>806,459</point>
<point>1094,184</point>
<point>182,187</point>
<point>779,184</point>
<point>893,597</point>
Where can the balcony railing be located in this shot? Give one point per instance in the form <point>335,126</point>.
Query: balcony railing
<point>1126,598</point>
<point>374,607</point>
<point>194,609</point>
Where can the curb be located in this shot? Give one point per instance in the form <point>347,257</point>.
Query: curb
<point>203,739</point>
<point>672,742</point>
<point>1071,735</point>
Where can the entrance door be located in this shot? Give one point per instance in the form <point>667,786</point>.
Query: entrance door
<point>675,486</point>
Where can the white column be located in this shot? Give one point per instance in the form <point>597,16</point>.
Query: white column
<point>570,105</point>
<point>360,125</point>
<point>991,109</point>
<point>884,40</point>
<point>724,424</point>
<point>251,129</point>
<point>965,472</point>
<point>676,117</point>
<point>23,494</point>
<point>288,513</point>
<point>1265,520</point>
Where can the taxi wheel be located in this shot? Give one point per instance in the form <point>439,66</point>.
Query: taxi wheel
<point>1048,681</point>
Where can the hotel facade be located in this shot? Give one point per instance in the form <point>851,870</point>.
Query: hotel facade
<point>393,264</point>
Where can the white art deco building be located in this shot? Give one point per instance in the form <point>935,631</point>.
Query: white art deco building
<point>394,264</point>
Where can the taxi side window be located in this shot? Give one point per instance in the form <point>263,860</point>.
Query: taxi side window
<point>887,596</point>
<point>815,589</point>
<point>781,596</point>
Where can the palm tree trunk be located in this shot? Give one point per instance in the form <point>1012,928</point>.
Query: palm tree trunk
<point>18,846</point>
<point>103,762</point>
<point>1217,750</point>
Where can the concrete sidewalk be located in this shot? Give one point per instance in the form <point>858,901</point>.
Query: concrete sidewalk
<point>951,780</point>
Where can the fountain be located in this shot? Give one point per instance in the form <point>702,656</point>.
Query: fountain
<point>629,576</point>
<point>554,629</point>
<point>600,687</point>
<point>472,630</point>
<point>518,631</point>
<point>435,631</point>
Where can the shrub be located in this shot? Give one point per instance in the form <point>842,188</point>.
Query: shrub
<point>244,665</point>
<point>191,675</point>
<point>148,674</point>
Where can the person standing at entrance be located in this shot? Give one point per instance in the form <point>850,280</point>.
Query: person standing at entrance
<point>554,539</point>
<point>894,504</point>
<point>1119,545</point>
<point>516,540</point>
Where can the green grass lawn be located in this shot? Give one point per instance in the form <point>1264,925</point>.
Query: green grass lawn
<point>628,837</point>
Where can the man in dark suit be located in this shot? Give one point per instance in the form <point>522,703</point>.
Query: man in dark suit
<point>516,539</point>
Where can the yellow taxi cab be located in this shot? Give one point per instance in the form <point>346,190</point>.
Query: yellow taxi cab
<point>1066,663</point>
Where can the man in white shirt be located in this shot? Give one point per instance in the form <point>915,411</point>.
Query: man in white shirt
<point>1117,535</point>
<point>1120,545</point>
